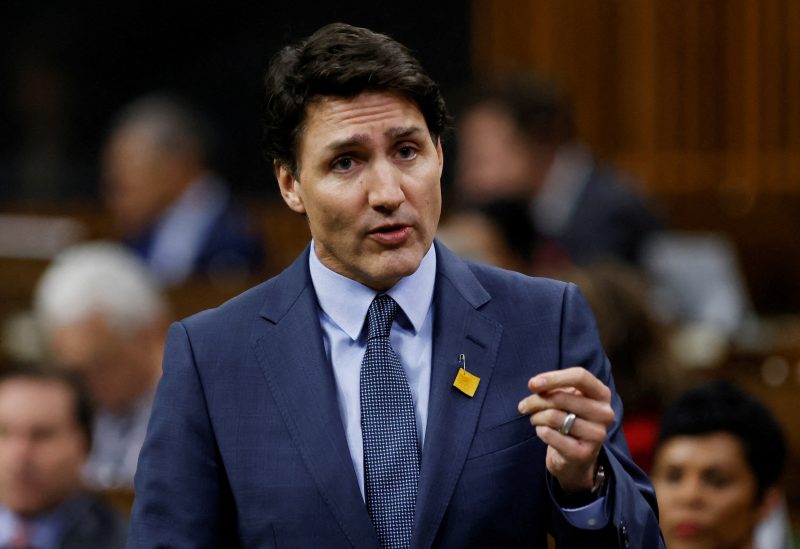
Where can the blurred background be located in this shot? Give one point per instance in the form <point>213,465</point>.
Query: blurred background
<point>697,103</point>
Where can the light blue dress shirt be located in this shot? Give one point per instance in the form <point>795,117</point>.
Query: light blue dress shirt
<point>343,309</point>
<point>43,530</point>
<point>343,306</point>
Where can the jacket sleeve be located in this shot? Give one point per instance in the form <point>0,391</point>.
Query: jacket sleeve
<point>631,501</point>
<point>182,494</point>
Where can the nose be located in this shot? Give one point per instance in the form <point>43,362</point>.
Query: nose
<point>690,491</point>
<point>385,186</point>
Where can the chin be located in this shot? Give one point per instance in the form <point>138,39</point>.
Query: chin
<point>381,270</point>
<point>386,278</point>
<point>27,507</point>
<point>401,267</point>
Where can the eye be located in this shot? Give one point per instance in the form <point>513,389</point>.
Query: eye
<point>672,475</point>
<point>407,152</point>
<point>342,164</point>
<point>717,479</point>
<point>43,434</point>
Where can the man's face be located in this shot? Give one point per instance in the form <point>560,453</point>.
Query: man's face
<point>706,492</point>
<point>140,181</point>
<point>495,158</point>
<point>42,449</point>
<point>111,363</point>
<point>368,182</point>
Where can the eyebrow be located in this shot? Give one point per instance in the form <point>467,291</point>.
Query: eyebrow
<point>362,139</point>
<point>399,133</point>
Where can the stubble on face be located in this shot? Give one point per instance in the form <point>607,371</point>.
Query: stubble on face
<point>368,182</point>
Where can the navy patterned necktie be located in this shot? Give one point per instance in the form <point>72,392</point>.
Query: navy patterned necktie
<point>391,450</point>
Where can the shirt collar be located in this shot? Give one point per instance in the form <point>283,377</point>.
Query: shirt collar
<point>44,529</point>
<point>346,301</point>
<point>557,197</point>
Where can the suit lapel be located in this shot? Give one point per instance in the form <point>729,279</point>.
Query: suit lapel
<point>291,354</point>
<point>290,351</point>
<point>459,328</point>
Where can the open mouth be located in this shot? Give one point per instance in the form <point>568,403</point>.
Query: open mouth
<point>390,228</point>
<point>391,235</point>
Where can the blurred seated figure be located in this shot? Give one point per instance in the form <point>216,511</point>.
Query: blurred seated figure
<point>45,436</point>
<point>498,232</point>
<point>516,138</point>
<point>698,286</point>
<point>167,202</point>
<point>103,317</point>
<point>718,465</point>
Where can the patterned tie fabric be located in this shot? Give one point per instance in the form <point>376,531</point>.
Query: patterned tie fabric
<point>391,450</point>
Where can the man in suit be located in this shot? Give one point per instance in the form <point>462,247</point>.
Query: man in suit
<point>274,427</point>
<point>45,436</point>
<point>167,202</point>
<point>103,317</point>
<point>516,139</point>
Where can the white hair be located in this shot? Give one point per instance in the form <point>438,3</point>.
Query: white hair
<point>101,277</point>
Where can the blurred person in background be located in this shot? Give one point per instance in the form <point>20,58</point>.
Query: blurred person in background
<point>45,437</point>
<point>168,204</point>
<point>516,139</point>
<point>717,471</point>
<point>499,232</point>
<point>103,317</point>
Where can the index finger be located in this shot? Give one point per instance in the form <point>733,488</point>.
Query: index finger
<point>577,377</point>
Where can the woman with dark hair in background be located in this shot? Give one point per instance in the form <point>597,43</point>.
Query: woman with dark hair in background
<point>718,465</point>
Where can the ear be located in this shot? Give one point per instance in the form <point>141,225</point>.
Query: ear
<point>289,187</point>
<point>440,155</point>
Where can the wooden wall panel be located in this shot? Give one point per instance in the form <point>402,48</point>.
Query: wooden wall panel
<point>700,99</point>
<point>689,94</point>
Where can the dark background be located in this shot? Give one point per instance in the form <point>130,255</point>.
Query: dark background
<point>93,57</point>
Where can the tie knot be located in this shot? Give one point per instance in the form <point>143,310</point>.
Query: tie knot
<point>380,316</point>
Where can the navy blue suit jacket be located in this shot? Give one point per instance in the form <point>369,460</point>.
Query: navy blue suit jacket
<point>246,444</point>
<point>610,221</point>
<point>229,247</point>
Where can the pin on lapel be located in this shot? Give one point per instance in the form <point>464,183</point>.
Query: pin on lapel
<point>465,381</point>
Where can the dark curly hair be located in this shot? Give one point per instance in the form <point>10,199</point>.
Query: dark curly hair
<point>535,105</point>
<point>720,406</point>
<point>341,60</point>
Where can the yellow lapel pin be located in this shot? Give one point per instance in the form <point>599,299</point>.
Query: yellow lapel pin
<point>465,381</point>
